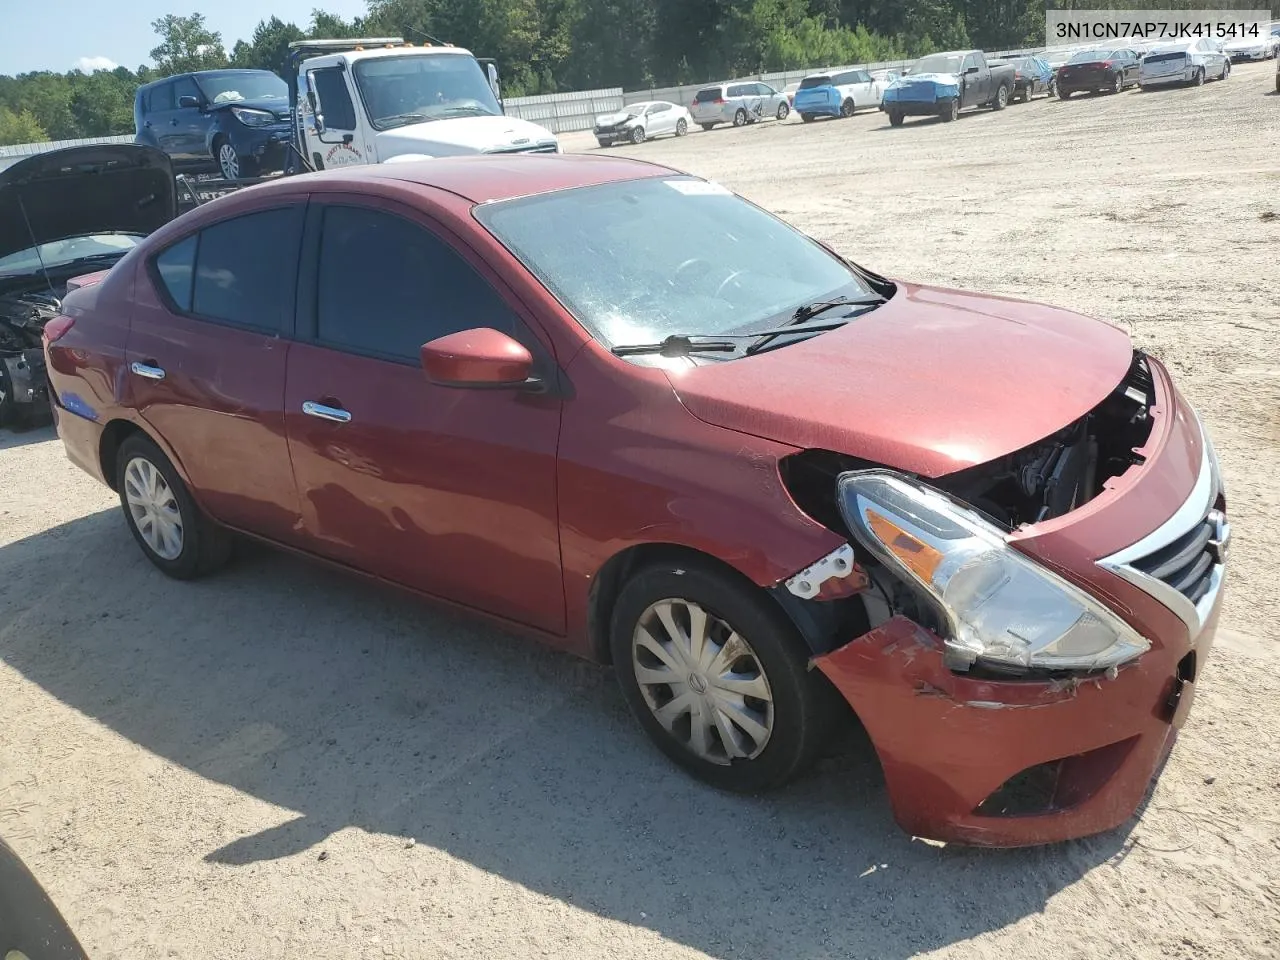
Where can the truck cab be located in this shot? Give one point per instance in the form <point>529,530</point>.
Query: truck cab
<point>384,100</point>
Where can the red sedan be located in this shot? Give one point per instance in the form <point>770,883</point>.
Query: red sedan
<point>635,415</point>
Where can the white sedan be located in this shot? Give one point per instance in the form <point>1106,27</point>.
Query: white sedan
<point>1252,48</point>
<point>638,122</point>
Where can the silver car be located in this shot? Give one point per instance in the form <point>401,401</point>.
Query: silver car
<point>1194,62</point>
<point>739,102</point>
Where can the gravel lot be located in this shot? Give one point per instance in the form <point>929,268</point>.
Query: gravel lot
<point>281,762</point>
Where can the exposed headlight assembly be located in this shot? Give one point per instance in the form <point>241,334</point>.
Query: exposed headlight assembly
<point>253,118</point>
<point>1002,609</point>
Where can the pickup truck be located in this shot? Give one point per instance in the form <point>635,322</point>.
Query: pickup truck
<point>943,84</point>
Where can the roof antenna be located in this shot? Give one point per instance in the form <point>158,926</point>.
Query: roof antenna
<point>32,234</point>
<point>426,36</point>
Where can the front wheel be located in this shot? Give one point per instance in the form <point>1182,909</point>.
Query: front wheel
<point>637,134</point>
<point>604,143</point>
<point>740,118</point>
<point>1064,94</point>
<point>716,675</point>
<point>682,127</point>
<point>784,111</point>
<point>229,163</point>
<point>163,518</point>
<point>895,118</point>
<point>949,111</point>
<point>1053,88</point>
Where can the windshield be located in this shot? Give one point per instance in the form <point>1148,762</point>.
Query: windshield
<point>248,85</point>
<point>62,252</point>
<point>1091,56</point>
<point>610,255</point>
<point>808,83</point>
<point>937,64</point>
<point>409,89</point>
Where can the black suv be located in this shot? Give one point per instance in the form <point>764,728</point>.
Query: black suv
<point>233,122</point>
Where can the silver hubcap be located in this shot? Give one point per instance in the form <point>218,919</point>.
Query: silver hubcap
<point>229,161</point>
<point>154,508</point>
<point>702,681</point>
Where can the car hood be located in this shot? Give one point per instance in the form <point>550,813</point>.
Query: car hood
<point>917,85</point>
<point>273,105</point>
<point>931,382</point>
<point>103,188</point>
<point>462,135</point>
<point>609,119</point>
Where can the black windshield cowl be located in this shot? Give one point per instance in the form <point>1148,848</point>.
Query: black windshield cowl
<point>682,345</point>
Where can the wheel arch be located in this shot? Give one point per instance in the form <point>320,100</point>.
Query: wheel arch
<point>120,429</point>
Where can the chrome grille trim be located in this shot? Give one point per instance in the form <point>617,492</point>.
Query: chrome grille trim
<point>1195,511</point>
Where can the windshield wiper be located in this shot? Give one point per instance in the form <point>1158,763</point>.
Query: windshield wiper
<point>400,119</point>
<point>468,108</point>
<point>682,345</point>
<point>799,322</point>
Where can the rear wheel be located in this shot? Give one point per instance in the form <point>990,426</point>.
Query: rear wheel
<point>848,108</point>
<point>717,676</point>
<point>1117,83</point>
<point>682,127</point>
<point>1199,77</point>
<point>807,117</point>
<point>162,516</point>
<point>706,126</point>
<point>229,163</point>
<point>1002,98</point>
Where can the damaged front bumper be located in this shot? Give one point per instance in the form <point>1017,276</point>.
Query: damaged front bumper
<point>997,760</point>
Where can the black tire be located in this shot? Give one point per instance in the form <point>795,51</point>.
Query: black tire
<point>1001,99</point>
<point>1198,80</point>
<point>740,118</point>
<point>682,127</point>
<point>605,144</point>
<point>808,117</point>
<point>637,134</point>
<point>783,111</point>
<point>1064,94</point>
<point>805,706</point>
<point>707,126</point>
<point>895,118</point>
<point>848,108</point>
<point>949,111</point>
<point>1226,70</point>
<point>1053,88</point>
<point>231,165</point>
<point>205,545</point>
<point>1117,84</point>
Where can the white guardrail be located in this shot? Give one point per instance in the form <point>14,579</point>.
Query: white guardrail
<point>569,112</point>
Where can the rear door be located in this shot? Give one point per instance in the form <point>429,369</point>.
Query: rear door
<point>740,96</point>
<point>448,491</point>
<point>206,358</point>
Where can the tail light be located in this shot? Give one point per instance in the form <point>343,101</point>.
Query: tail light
<point>56,329</point>
<point>1108,64</point>
<point>719,101</point>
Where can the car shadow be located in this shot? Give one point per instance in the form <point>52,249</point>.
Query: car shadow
<point>14,436</point>
<point>354,705</point>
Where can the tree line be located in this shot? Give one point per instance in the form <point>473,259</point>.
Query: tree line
<point>545,46</point>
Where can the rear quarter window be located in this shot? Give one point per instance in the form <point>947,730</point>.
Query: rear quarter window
<point>176,267</point>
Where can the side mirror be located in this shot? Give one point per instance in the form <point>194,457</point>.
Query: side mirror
<point>481,358</point>
<point>492,71</point>
<point>188,101</point>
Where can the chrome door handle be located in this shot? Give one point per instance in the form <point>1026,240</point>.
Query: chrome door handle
<point>336,414</point>
<point>147,370</point>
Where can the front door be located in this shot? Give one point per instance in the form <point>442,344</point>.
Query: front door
<point>207,355</point>
<point>974,89</point>
<point>332,130</point>
<point>446,490</point>
<point>192,128</point>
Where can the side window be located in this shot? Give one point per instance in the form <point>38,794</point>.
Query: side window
<point>970,61</point>
<point>386,286</point>
<point>246,269</point>
<point>160,98</point>
<point>333,102</point>
<point>176,266</point>
<point>764,90</point>
<point>739,90</point>
<point>184,87</point>
<point>660,108</point>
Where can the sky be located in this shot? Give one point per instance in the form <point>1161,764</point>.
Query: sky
<point>61,35</point>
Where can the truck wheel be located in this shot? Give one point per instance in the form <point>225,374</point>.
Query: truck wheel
<point>1002,98</point>
<point>949,111</point>
<point>848,108</point>
<point>1064,94</point>
<point>740,118</point>
<point>896,118</point>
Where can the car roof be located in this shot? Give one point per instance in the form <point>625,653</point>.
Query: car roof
<point>483,178</point>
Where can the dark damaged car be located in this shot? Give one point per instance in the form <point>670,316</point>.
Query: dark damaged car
<point>768,485</point>
<point>65,214</point>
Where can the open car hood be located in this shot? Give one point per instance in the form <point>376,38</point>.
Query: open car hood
<point>103,188</point>
<point>931,382</point>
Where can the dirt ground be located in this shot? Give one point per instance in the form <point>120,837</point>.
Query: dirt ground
<point>280,762</point>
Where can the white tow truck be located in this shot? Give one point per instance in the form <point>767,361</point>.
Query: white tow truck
<point>381,100</point>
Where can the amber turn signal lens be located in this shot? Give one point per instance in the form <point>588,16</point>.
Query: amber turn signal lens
<point>920,558</point>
